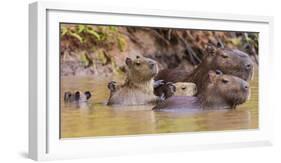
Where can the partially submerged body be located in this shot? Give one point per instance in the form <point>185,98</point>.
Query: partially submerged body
<point>133,95</point>
<point>138,88</point>
<point>219,91</point>
<point>179,102</point>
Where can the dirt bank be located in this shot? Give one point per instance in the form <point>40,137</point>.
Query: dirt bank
<point>101,50</point>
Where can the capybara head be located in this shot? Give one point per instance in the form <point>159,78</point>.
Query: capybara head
<point>141,69</point>
<point>88,95</point>
<point>185,89</point>
<point>230,61</point>
<point>223,91</point>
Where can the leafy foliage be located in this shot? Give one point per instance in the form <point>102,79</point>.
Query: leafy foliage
<point>98,45</point>
<point>90,35</point>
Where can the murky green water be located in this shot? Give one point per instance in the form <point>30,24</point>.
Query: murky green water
<point>97,119</point>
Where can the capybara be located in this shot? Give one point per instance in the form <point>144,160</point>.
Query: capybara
<point>138,88</point>
<point>229,61</point>
<point>219,91</point>
<point>77,96</point>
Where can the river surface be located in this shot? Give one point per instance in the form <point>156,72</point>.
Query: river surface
<point>97,119</point>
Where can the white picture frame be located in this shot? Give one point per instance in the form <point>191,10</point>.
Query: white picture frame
<point>44,141</point>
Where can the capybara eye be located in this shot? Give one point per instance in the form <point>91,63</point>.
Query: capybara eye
<point>218,72</point>
<point>137,57</point>
<point>183,88</point>
<point>247,47</point>
<point>225,81</point>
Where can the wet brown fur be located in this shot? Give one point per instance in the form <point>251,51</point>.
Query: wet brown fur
<point>229,61</point>
<point>138,86</point>
<point>219,91</point>
<point>223,91</point>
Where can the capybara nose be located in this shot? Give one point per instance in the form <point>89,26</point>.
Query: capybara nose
<point>248,66</point>
<point>245,86</point>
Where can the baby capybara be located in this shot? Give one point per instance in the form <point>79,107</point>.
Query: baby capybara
<point>138,88</point>
<point>219,91</point>
<point>229,61</point>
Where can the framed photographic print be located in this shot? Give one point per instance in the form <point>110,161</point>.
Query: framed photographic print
<point>110,81</point>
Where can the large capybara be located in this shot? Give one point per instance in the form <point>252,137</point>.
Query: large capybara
<point>219,91</point>
<point>138,88</point>
<point>229,61</point>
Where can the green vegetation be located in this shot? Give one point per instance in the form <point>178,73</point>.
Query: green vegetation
<point>97,46</point>
<point>90,36</point>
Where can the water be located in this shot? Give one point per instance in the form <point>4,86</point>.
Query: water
<point>97,119</point>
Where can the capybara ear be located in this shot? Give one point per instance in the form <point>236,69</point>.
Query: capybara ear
<point>88,94</point>
<point>212,76</point>
<point>77,95</point>
<point>211,49</point>
<point>220,44</point>
<point>129,61</point>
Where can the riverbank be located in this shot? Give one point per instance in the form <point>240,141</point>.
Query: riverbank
<point>101,50</point>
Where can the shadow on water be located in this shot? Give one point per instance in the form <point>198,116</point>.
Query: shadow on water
<point>97,119</point>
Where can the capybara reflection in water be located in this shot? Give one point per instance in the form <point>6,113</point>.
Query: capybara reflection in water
<point>229,61</point>
<point>138,88</point>
<point>219,91</point>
